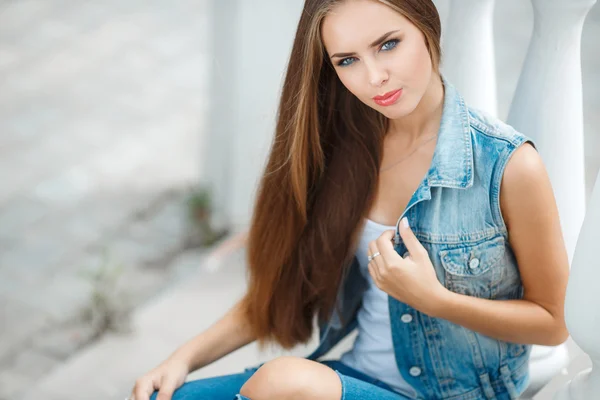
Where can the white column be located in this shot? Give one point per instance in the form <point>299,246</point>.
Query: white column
<point>443,7</point>
<point>251,44</point>
<point>582,303</point>
<point>547,104</point>
<point>217,168</point>
<point>469,61</point>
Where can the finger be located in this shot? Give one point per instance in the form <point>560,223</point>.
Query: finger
<point>373,250</point>
<point>143,391</point>
<point>387,235</point>
<point>147,387</point>
<point>378,262</point>
<point>374,272</point>
<point>385,245</point>
<point>414,247</point>
<point>371,264</point>
<point>166,390</point>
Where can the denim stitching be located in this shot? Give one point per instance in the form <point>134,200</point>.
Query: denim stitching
<point>342,383</point>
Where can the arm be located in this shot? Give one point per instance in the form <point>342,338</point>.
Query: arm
<point>217,256</point>
<point>531,216</point>
<point>227,335</point>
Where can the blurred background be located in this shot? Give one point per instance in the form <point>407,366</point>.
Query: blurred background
<point>132,136</point>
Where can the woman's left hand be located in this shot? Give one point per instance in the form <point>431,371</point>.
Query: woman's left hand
<point>411,280</point>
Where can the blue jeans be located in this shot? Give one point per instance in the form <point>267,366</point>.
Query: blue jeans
<point>355,385</point>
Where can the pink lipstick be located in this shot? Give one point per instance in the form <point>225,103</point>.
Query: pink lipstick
<point>389,98</point>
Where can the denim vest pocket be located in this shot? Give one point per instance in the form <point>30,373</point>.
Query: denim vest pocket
<point>474,270</point>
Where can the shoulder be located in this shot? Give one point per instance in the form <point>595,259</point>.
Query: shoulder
<point>525,174</point>
<point>522,165</point>
<point>490,129</point>
<point>520,176</point>
<point>525,187</point>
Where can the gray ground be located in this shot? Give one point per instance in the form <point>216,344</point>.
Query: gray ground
<point>101,118</point>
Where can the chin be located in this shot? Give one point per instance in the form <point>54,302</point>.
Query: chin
<point>394,112</point>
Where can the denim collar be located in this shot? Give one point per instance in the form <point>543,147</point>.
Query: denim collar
<point>452,164</point>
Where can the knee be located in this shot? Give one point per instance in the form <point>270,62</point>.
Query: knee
<point>277,379</point>
<point>292,377</point>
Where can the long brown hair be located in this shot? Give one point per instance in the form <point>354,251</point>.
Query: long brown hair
<point>318,184</point>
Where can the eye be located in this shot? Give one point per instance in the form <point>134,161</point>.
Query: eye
<point>387,46</point>
<point>390,44</point>
<point>346,61</point>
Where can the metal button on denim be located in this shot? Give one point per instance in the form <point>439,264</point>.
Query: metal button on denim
<point>456,217</point>
<point>406,318</point>
<point>474,263</point>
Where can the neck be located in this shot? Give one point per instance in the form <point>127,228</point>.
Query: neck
<point>426,117</point>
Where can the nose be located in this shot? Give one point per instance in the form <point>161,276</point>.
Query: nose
<point>377,75</point>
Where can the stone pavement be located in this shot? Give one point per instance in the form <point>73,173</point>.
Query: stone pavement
<point>108,368</point>
<point>101,115</point>
<point>101,111</point>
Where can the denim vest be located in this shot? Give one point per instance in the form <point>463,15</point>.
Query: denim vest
<point>455,214</point>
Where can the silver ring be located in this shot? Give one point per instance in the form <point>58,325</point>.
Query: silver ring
<point>373,256</point>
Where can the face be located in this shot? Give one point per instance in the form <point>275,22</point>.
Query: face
<point>379,55</point>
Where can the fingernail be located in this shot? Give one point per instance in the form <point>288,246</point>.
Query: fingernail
<point>405,222</point>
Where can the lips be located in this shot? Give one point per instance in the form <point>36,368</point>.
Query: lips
<point>388,99</point>
<point>386,96</point>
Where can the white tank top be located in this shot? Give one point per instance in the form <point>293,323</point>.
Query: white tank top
<point>373,350</point>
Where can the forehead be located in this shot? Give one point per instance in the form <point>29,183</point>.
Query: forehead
<point>354,24</point>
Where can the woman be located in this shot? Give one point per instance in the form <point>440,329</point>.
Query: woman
<point>389,206</point>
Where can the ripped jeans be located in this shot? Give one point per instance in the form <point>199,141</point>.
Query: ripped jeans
<point>355,386</point>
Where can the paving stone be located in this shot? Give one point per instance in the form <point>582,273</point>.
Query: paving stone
<point>86,16</point>
<point>8,57</point>
<point>89,139</point>
<point>34,363</point>
<point>166,226</point>
<point>19,214</point>
<point>65,189</point>
<point>17,15</point>
<point>48,36</point>
<point>107,211</point>
<point>107,38</point>
<point>18,322</point>
<point>12,384</point>
<point>101,108</point>
<point>62,341</point>
<point>61,296</point>
<point>188,263</point>
<point>60,66</point>
<point>172,43</point>
<point>34,253</point>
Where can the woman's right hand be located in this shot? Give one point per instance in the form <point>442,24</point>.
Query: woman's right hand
<point>165,378</point>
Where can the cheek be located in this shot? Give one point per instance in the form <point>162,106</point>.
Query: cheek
<point>351,82</point>
<point>420,65</point>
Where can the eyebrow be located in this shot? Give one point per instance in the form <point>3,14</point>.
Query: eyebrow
<point>375,43</point>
